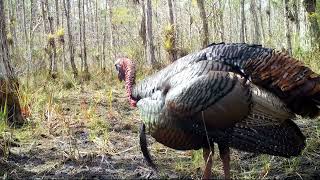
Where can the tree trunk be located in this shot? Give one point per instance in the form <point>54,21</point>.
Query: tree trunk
<point>52,45</point>
<point>205,35</point>
<point>57,13</point>
<point>12,28</point>
<point>173,50</point>
<point>112,48</point>
<point>190,24</point>
<point>103,65</point>
<point>296,8</point>
<point>86,76</point>
<point>261,21</point>
<point>230,22</point>
<point>97,55</point>
<point>256,32</point>
<point>25,24</point>
<point>142,30</point>
<point>8,81</point>
<point>80,35</point>
<point>30,45</point>
<point>243,22</point>
<point>287,25</point>
<point>58,58</point>
<point>269,21</point>
<point>221,9</point>
<point>310,6</point>
<point>149,35</point>
<point>67,10</point>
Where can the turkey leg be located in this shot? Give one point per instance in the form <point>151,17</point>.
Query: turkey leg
<point>225,158</point>
<point>207,156</point>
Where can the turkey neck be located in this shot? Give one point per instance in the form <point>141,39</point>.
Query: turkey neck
<point>130,76</point>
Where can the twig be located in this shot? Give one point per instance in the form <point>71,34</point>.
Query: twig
<point>125,150</point>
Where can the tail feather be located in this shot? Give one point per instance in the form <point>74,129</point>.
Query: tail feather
<point>297,85</point>
<point>281,140</point>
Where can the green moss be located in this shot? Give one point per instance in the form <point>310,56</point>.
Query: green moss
<point>169,38</point>
<point>10,38</point>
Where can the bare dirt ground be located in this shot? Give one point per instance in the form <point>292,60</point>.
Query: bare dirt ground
<point>88,134</point>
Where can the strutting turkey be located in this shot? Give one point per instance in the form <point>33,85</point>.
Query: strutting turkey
<point>236,95</point>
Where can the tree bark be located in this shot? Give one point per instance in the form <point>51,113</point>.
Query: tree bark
<point>12,19</point>
<point>149,35</point>
<point>25,23</point>
<point>44,18</point>
<point>80,35</point>
<point>269,20</point>
<point>221,9</point>
<point>296,7</point>
<point>243,22</point>
<point>287,25</point>
<point>310,6</point>
<point>103,65</point>
<point>205,35</point>
<point>261,21</point>
<point>53,51</point>
<point>97,55</point>
<point>67,10</point>
<point>230,22</point>
<point>9,84</point>
<point>142,30</point>
<point>112,47</point>
<point>57,13</point>
<point>30,45</point>
<point>173,51</point>
<point>256,32</point>
<point>86,67</point>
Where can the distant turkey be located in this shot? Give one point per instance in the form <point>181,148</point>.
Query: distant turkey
<point>236,95</point>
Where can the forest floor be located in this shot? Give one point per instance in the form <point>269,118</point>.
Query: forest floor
<point>89,131</point>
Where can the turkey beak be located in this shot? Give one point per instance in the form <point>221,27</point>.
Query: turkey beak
<point>120,72</point>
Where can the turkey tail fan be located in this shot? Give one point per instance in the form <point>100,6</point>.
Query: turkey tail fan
<point>297,85</point>
<point>284,140</point>
<point>144,147</point>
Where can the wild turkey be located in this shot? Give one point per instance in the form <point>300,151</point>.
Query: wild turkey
<point>237,95</point>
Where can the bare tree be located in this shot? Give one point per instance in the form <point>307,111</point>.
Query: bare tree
<point>149,35</point>
<point>103,63</point>
<point>67,10</point>
<point>9,82</point>
<point>310,6</point>
<point>44,18</point>
<point>97,32</point>
<point>80,35</point>
<point>256,31</point>
<point>243,22</point>
<point>221,9</point>
<point>269,20</point>
<point>261,20</point>
<point>57,13</point>
<point>25,23</point>
<point>111,36</point>
<point>287,25</point>
<point>296,7</point>
<point>172,51</point>
<point>205,35</point>
<point>30,45</point>
<point>52,45</point>
<point>84,45</point>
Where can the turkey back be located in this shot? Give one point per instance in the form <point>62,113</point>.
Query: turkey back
<point>297,85</point>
